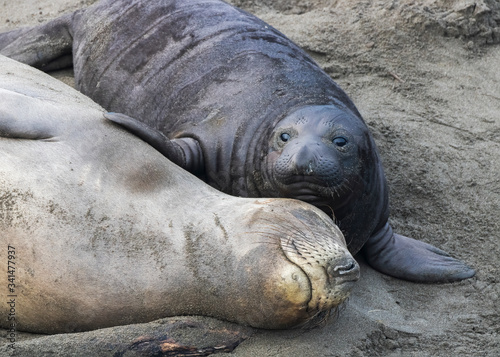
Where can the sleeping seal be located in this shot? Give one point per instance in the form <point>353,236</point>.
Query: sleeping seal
<point>101,230</point>
<point>241,106</point>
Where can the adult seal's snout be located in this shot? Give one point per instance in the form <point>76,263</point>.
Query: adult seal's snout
<point>330,275</point>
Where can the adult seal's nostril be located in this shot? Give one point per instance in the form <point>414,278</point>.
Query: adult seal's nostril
<point>348,270</point>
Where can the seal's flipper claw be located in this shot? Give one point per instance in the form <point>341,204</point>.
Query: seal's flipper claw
<point>185,152</point>
<point>410,259</point>
<point>47,47</point>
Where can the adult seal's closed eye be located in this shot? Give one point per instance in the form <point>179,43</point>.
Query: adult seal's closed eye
<point>239,105</point>
<point>107,235</point>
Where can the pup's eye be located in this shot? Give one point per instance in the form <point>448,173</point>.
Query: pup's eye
<point>340,141</point>
<point>285,137</point>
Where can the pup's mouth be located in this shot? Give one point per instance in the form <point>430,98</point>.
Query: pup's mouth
<point>316,194</point>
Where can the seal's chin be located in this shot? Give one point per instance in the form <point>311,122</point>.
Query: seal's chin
<point>316,193</point>
<point>320,318</point>
<point>312,194</point>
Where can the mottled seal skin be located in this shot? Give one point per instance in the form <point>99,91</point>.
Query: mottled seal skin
<point>241,106</point>
<point>107,231</point>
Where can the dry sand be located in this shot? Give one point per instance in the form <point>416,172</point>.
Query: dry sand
<point>426,77</point>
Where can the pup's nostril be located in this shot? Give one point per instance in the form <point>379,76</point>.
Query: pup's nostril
<point>309,169</point>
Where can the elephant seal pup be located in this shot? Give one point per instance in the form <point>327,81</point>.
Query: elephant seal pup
<point>241,106</point>
<point>101,229</point>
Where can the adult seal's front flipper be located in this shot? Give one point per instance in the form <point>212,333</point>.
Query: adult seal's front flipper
<point>185,152</point>
<point>28,126</point>
<point>410,259</point>
<point>47,47</point>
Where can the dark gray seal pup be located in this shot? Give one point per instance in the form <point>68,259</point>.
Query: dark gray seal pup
<point>241,106</point>
<point>102,230</point>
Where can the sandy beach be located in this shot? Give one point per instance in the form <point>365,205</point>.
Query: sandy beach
<point>426,77</point>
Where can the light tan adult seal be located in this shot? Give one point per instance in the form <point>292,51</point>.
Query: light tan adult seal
<point>106,231</point>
